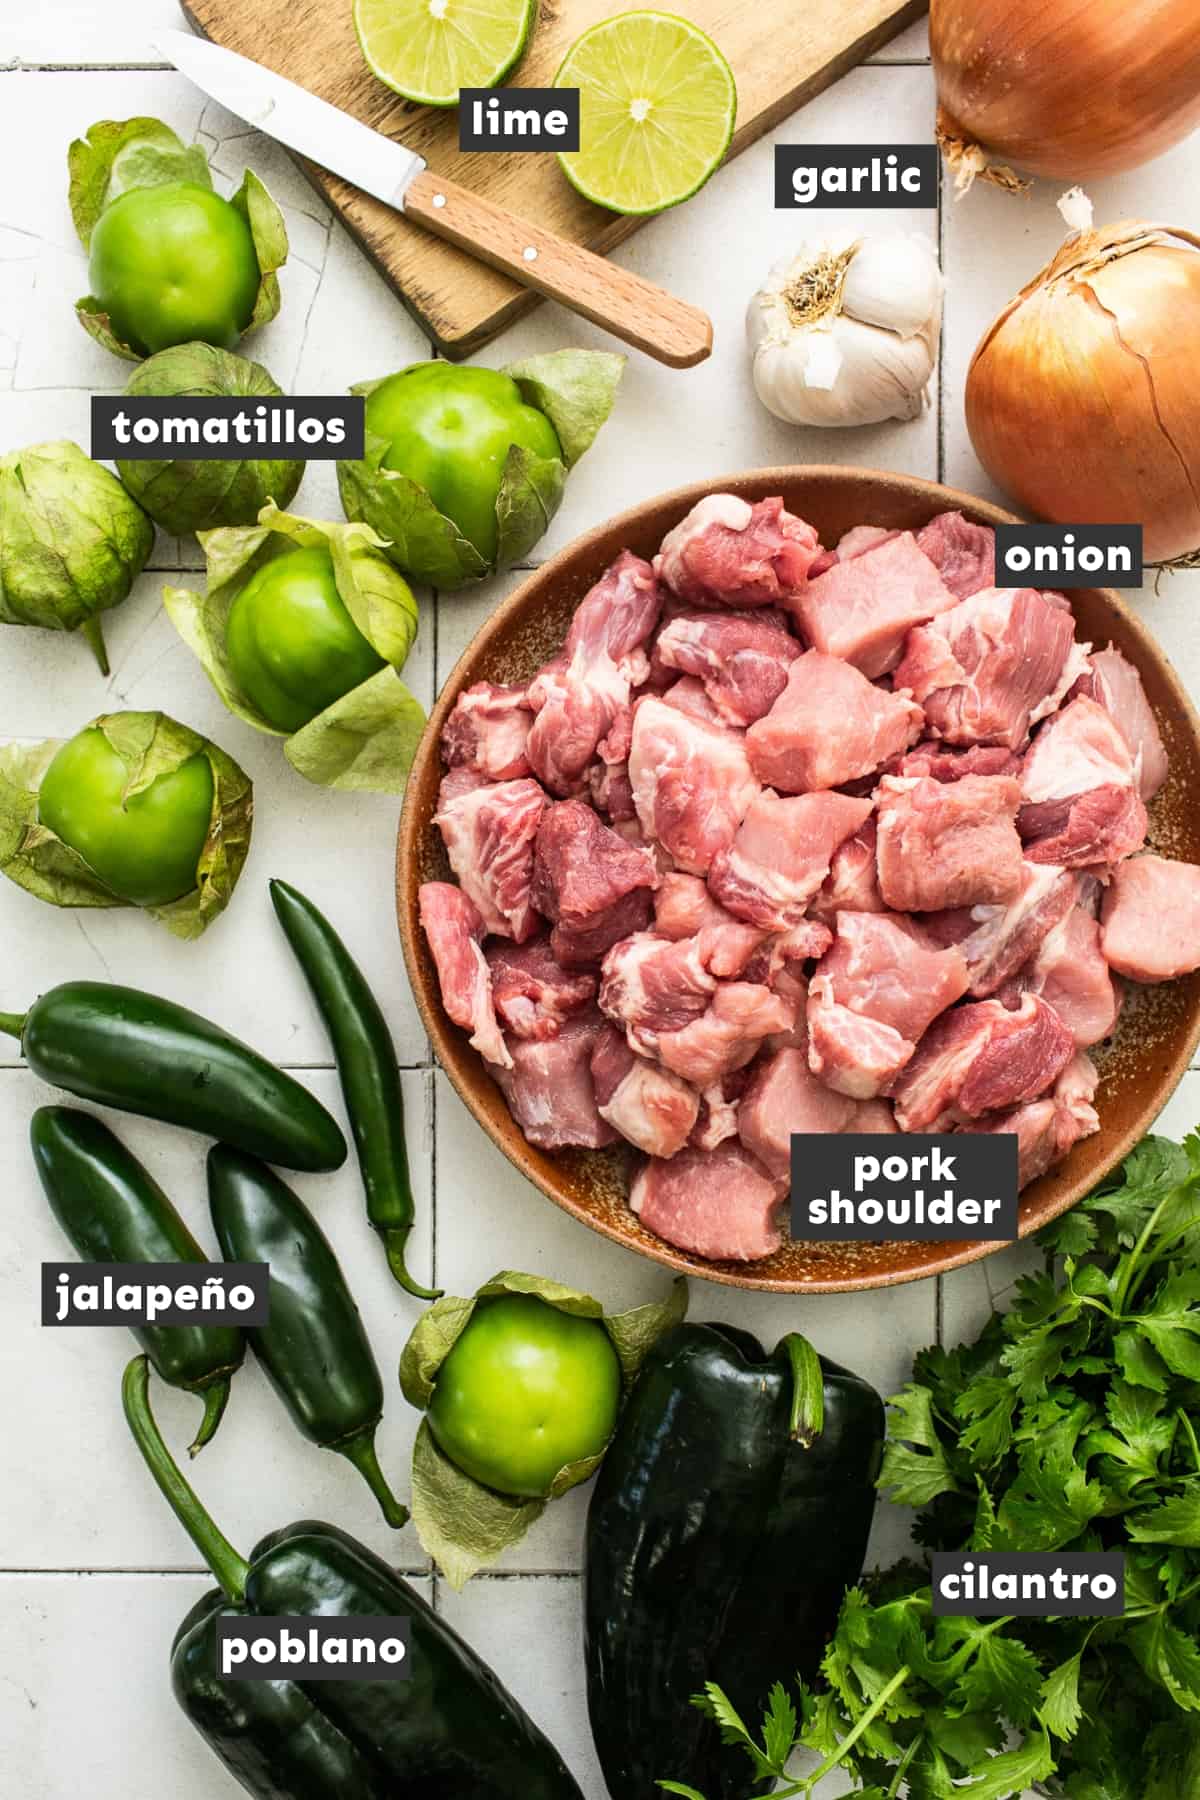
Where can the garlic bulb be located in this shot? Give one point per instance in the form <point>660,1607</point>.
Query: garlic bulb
<point>846,331</point>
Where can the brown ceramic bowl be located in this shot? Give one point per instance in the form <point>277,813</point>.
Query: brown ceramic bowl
<point>1157,1033</point>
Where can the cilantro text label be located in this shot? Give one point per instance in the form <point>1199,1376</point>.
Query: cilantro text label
<point>1028,1584</point>
<point>870,1188</point>
<point>155,1293</point>
<point>295,1648</point>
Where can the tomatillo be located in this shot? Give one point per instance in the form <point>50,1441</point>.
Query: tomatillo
<point>526,1391</point>
<point>174,265</point>
<point>293,645</point>
<point>450,429</point>
<point>146,850</point>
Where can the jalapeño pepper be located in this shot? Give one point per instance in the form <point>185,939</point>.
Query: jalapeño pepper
<point>450,1730</point>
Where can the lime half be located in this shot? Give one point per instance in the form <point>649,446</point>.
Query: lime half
<point>428,49</point>
<point>657,105</point>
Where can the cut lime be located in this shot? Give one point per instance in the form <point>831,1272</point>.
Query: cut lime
<point>657,106</point>
<point>428,49</point>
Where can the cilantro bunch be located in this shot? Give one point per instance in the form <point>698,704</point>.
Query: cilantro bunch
<point>1070,1424</point>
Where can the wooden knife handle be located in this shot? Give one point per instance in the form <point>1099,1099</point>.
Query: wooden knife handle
<point>611,297</point>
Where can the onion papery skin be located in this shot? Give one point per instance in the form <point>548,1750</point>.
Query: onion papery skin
<point>1083,398</point>
<point>1067,88</point>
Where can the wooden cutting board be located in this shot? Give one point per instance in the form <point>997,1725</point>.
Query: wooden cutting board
<point>782,52</point>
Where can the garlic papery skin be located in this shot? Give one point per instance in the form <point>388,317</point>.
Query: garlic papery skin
<point>845,332</point>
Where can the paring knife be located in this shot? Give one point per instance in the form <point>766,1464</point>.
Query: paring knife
<point>632,309</point>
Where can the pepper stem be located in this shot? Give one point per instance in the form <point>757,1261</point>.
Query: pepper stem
<point>94,635</point>
<point>13,1024</point>
<point>215,1398</point>
<point>394,1239</point>
<point>360,1450</point>
<point>230,1569</point>
<point>807,1420</point>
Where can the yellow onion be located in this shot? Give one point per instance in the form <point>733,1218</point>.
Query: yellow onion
<point>1067,88</point>
<point>1083,398</point>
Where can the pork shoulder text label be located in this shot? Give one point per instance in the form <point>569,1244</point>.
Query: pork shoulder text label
<point>869,1187</point>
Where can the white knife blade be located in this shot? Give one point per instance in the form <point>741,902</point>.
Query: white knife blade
<point>294,117</point>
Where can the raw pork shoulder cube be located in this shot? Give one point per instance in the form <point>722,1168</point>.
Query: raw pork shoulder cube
<point>533,994</point>
<point>1150,921</point>
<point>1047,1130</point>
<point>692,784</point>
<point>594,886</point>
<point>952,844</point>
<point>872,996</point>
<point>996,941</point>
<point>549,1087</point>
<point>784,1096</point>
<point>829,726</point>
<point>1116,685</point>
<point>944,764</point>
<point>689,695</point>
<point>742,659</point>
<point>1079,792</point>
<point>727,1036</point>
<point>729,553</point>
<point>963,554</point>
<point>981,1058</point>
<point>487,731</point>
<point>684,908</point>
<point>720,1204</point>
<point>863,610</point>
<point>580,694</point>
<point>852,884</point>
<point>488,829</point>
<point>649,1106</point>
<point>781,855</point>
<point>454,927</point>
<point>652,985</point>
<point>1069,973</point>
<point>991,666</point>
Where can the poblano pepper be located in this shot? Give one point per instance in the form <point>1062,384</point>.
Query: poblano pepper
<point>450,1729</point>
<point>729,1515</point>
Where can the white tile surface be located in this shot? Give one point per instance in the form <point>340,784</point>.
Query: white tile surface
<point>94,1574</point>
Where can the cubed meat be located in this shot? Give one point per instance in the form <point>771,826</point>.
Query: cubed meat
<point>742,659</point>
<point>1069,973</point>
<point>610,792</point>
<point>996,941</point>
<point>726,1037</point>
<point>1047,1130</point>
<point>856,542</point>
<point>862,610</point>
<point>549,1087</point>
<point>943,763</point>
<point>593,886</point>
<point>689,695</point>
<point>718,1116</point>
<point>684,908</point>
<point>789,985</point>
<point>784,1096</point>
<point>990,667</point>
<point>872,996</point>
<point>1150,919</point>
<point>454,927</point>
<point>489,829</point>
<point>579,696</point>
<point>720,1204</point>
<point>1116,685</point>
<point>951,844</point>
<point>729,553</point>
<point>532,993</point>
<point>487,731</point>
<point>981,1058</point>
<point>829,726</point>
<point>963,554</point>
<point>649,1106</point>
<point>652,985</point>
<point>852,884</point>
<point>1080,804</point>
<point>692,784</point>
<point>781,855</point>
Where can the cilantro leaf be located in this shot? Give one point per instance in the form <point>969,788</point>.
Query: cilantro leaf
<point>779,1726</point>
<point>1049,1504</point>
<point>1170,1657</point>
<point>989,1403</point>
<point>1175,1520</point>
<point>1060,1711</point>
<point>915,1476</point>
<point>1004,1678</point>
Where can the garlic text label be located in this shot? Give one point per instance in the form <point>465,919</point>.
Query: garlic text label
<point>873,1187</point>
<point>1069,556</point>
<point>823,175</point>
<point>1028,1584</point>
<point>155,1293</point>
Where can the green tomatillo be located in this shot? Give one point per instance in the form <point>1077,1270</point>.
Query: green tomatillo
<point>465,467</point>
<point>170,261</point>
<point>134,810</point>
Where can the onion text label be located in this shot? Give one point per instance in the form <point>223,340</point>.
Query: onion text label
<point>812,176</point>
<point>1028,1584</point>
<point>151,428</point>
<point>156,1293</point>
<point>518,118</point>
<point>1069,556</point>
<point>295,1648</point>
<point>870,1188</point>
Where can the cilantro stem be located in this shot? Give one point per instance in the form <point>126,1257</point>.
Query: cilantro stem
<point>902,1767</point>
<point>1189,1432</point>
<point>1133,1265</point>
<point>837,1757</point>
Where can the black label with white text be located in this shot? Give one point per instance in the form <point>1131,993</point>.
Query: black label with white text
<point>1069,556</point>
<point>519,118</point>
<point>297,1648</point>
<point>813,176</point>
<point>867,1187</point>
<point>156,1293</point>
<point>1028,1584</point>
<point>284,428</point>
